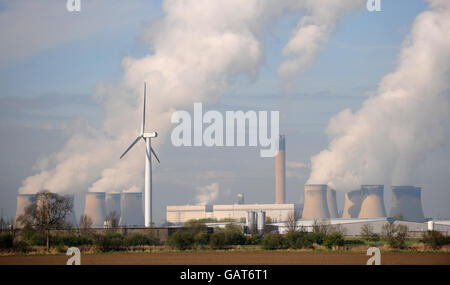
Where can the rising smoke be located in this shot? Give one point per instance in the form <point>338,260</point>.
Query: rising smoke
<point>196,48</point>
<point>385,140</point>
<point>206,195</point>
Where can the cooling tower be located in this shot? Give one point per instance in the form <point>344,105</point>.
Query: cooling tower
<point>71,218</point>
<point>316,206</point>
<point>352,205</point>
<point>112,203</point>
<point>261,221</point>
<point>132,214</point>
<point>406,201</point>
<point>95,208</point>
<point>280,172</point>
<point>372,205</point>
<point>240,198</point>
<point>332,203</point>
<point>23,200</point>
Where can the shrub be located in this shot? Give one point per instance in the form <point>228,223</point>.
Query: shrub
<point>254,239</point>
<point>272,241</point>
<point>218,240</point>
<point>6,241</point>
<point>109,242</point>
<point>140,240</point>
<point>395,235</point>
<point>61,248</point>
<point>21,246</point>
<point>297,240</point>
<point>181,240</point>
<point>196,226</point>
<point>333,239</point>
<point>234,234</point>
<point>316,237</point>
<point>202,238</point>
<point>435,239</point>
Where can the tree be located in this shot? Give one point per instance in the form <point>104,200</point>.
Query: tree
<point>395,235</point>
<point>291,221</point>
<point>112,220</point>
<point>46,212</point>
<point>85,223</point>
<point>367,231</point>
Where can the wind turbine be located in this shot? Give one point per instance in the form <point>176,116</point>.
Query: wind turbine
<point>148,165</point>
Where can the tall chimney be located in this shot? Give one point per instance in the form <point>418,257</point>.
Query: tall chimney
<point>240,199</point>
<point>406,201</point>
<point>372,205</point>
<point>95,208</point>
<point>280,172</point>
<point>112,202</point>
<point>23,200</point>
<point>332,203</point>
<point>352,205</point>
<point>132,213</point>
<point>316,205</point>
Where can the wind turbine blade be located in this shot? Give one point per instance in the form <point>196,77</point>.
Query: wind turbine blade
<point>143,113</point>
<point>135,141</point>
<point>154,153</point>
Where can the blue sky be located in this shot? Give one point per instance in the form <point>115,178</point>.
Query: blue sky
<point>42,90</point>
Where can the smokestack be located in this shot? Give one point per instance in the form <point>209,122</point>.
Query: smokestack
<point>372,205</point>
<point>240,198</point>
<point>353,200</point>
<point>332,203</point>
<point>406,201</point>
<point>316,206</point>
<point>95,208</point>
<point>112,203</point>
<point>280,172</point>
<point>23,200</point>
<point>132,214</point>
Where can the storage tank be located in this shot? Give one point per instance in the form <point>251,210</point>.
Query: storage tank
<point>251,221</point>
<point>261,221</point>
<point>95,208</point>
<point>352,204</point>
<point>372,205</point>
<point>280,172</point>
<point>23,200</point>
<point>332,203</point>
<point>240,199</point>
<point>316,205</point>
<point>406,201</point>
<point>132,213</point>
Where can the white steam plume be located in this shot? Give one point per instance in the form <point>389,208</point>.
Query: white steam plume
<point>391,133</point>
<point>196,47</point>
<point>206,195</point>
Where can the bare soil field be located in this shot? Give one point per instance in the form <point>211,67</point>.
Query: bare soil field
<point>234,258</point>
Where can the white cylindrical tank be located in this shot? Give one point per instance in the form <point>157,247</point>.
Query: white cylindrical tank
<point>352,204</point>
<point>406,201</point>
<point>95,208</point>
<point>251,220</point>
<point>112,202</point>
<point>372,205</point>
<point>316,205</point>
<point>280,172</point>
<point>430,225</point>
<point>332,203</point>
<point>132,213</point>
<point>261,221</point>
<point>23,200</point>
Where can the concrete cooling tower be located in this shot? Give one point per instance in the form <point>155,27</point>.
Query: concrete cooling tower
<point>23,200</point>
<point>280,172</point>
<point>353,200</point>
<point>372,205</point>
<point>406,201</point>
<point>95,208</point>
<point>112,202</point>
<point>332,203</point>
<point>132,214</point>
<point>71,218</point>
<point>316,205</point>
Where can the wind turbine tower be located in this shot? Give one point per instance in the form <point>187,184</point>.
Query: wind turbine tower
<point>147,137</point>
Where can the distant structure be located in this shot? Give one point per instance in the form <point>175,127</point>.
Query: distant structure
<point>352,204</point>
<point>261,221</point>
<point>95,208</point>
<point>280,172</point>
<point>132,214</point>
<point>251,221</point>
<point>332,203</point>
<point>71,218</point>
<point>23,200</point>
<point>112,202</point>
<point>316,204</point>
<point>240,199</point>
<point>406,201</point>
<point>372,205</point>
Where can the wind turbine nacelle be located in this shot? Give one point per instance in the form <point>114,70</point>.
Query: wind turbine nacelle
<point>150,135</point>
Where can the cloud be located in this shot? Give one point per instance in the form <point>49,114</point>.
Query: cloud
<point>206,195</point>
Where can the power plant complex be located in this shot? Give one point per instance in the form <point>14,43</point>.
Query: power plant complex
<point>361,205</point>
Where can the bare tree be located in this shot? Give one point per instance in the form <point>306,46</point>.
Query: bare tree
<point>366,231</point>
<point>291,221</point>
<point>112,220</point>
<point>85,223</point>
<point>321,226</point>
<point>46,212</point>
